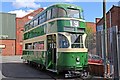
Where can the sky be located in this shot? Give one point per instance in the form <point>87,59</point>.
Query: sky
<point>91,9</point>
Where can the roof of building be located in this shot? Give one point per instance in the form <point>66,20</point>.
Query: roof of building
<point>109,11</point>
<point>39,9</point>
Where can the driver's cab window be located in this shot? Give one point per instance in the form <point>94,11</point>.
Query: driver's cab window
<point>63,41</point>
<point>76,41</point>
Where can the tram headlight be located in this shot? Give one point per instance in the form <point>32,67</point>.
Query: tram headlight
<point>78,59</point>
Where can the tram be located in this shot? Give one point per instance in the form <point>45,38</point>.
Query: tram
<point>55,40</point>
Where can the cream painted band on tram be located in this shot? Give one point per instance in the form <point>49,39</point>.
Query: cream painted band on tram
<point>35,39</point>
<point>32,50</point>
<point>54,20</point>
<point>72,50</point>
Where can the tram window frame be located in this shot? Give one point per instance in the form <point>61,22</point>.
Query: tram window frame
<point>49,13</point>
<point>36,22</point>
<point>28,26</point>
<point>78,44</point>
<point>61,12</point>
<point>39,20</point>
<point>74,14</point>
<point>31,24</point>
<point>28,46</point>
<point>43,17</point>
<point>54,12</point>
<point>82,14</point>
<point>63,41</point>
<point>36,45</point>
<point>45,28</point>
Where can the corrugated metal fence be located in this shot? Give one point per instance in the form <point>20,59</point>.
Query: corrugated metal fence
<point>94,44</point>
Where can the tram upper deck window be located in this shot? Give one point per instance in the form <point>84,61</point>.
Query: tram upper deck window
<point>36,22</point>
<point>61,12</point>
<point>49,14</point>
<point>54,12</point>
<point>82,15</point>
<point>31,24</point>
<point>73,13</point>
<point>63,41</point>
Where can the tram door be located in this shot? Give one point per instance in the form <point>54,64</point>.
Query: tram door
<point>51,51</point>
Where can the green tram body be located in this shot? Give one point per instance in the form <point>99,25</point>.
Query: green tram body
<point>55,39</point>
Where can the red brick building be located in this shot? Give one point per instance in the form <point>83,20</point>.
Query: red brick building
<point>9,47</point>
<point>112,21</point>
<point>20,22</point>
<point>91,25</point>
<point>112,18</point>
<point>7,34</point>
<point>91,31</point>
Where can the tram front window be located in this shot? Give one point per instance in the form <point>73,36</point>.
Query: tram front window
<point>61,12</point>
<point>63,41</point>
<point>76,41</point>
<point>73,13</point>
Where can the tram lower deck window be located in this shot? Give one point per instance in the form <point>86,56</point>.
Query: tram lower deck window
<point>63,41</point>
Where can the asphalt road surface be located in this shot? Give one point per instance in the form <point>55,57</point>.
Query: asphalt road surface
<point>13,68</point>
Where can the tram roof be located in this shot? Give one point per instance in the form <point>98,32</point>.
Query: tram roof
<point>59,5</point>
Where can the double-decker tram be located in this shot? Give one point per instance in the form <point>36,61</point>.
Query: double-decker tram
<point>55,40</point>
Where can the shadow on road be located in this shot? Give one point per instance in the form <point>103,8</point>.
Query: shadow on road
<point>20,70</point>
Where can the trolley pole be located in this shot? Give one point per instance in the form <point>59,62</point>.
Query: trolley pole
<point>104,38</point>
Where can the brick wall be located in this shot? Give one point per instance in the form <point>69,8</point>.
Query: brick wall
<point>91,25</point>
<point>112,17</point>
<point>20,22</point>
<point>9,47</point>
